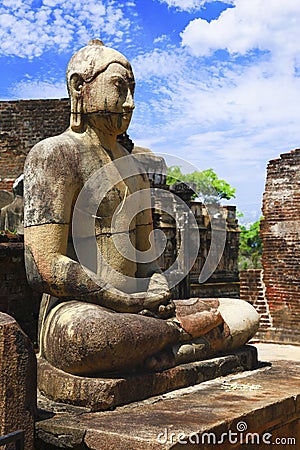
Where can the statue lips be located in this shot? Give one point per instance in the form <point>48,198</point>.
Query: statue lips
<point>126,113</point>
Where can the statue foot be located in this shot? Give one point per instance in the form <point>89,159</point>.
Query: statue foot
<point>240,322</point>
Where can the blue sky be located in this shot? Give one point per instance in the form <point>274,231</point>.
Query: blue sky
<point>218,84</point>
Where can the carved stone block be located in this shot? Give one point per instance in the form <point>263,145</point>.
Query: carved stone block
<point>17,381</point>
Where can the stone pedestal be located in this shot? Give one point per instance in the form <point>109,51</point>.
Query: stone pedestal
<point>254,410</point>
<point>17,381</point>
<point>100,394</point>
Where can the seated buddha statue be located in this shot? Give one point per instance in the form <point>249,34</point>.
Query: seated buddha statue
<point>102,320</point>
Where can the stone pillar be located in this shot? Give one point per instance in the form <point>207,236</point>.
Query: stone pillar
<point>17,381</point>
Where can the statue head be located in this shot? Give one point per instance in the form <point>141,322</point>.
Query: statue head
<point>100,83</point>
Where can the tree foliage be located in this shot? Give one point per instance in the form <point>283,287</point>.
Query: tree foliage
<point>251,248</point>
<point>209,187</point>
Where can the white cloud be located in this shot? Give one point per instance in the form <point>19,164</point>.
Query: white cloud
<point>158,63</point>
<point>258,24</point>
<point>27,31</point>
<point>189,5</point>
<point>162,38</point>
<point>39,90</point>
<point>184,5</point>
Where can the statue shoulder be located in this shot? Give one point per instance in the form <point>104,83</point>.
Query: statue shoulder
<point>50,181</point>
<point>61,148</point>
<point>54,154</point>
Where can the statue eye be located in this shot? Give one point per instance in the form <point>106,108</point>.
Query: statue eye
<point>120,83</point>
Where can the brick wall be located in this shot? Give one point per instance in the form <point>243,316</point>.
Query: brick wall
<point>252,289</point>
<point>16,297</point>
<point>280,233</point>
<point>275,291</point>
<point>23,123</point>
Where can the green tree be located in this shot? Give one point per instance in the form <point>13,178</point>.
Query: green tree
<point>209,187</point>
<point>251,248</point>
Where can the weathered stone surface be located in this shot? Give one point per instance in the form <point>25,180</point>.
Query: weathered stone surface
<point>106,393</point>
<point>17,381</point>
<point>26,122</point>
<point>12,215</point>
<point>16,297</point>
<point>274,291</point>
<point>250,402</point>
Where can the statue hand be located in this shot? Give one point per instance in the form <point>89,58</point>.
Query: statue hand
<point>162,312</point>
<point>158,288</point>
<point>167,311</point>
<point>119,301</point>
<point>155,300</point>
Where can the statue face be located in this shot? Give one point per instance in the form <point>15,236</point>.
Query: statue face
<point>108,99</point>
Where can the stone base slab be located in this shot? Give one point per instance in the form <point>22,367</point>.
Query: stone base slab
<point>99,394</point>
<point>257,409</point>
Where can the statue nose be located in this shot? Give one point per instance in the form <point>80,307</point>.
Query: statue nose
<point>129,103</point>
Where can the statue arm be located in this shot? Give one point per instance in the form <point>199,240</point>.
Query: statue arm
<point>50,270</point>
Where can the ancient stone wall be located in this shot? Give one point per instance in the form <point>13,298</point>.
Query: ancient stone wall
<point>252,290</point>
<point>16,297</point>
<point>18,387</point>
<point>280,233</point>
<point>275,291</point>
<point>23,123</point>
<point>224,281</point>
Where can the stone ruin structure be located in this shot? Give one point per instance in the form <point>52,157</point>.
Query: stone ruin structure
<point>18,389</point>
<point>23,124</point>
<point>275,290</point>
<point>12,215</point>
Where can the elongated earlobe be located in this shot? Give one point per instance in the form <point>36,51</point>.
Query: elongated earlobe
<point>76,119</point>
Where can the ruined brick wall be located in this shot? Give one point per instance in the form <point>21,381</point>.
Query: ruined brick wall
<point>23,123</point>
<point>252,290</point>
<point>280,233</point>
<point>16,297</point>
